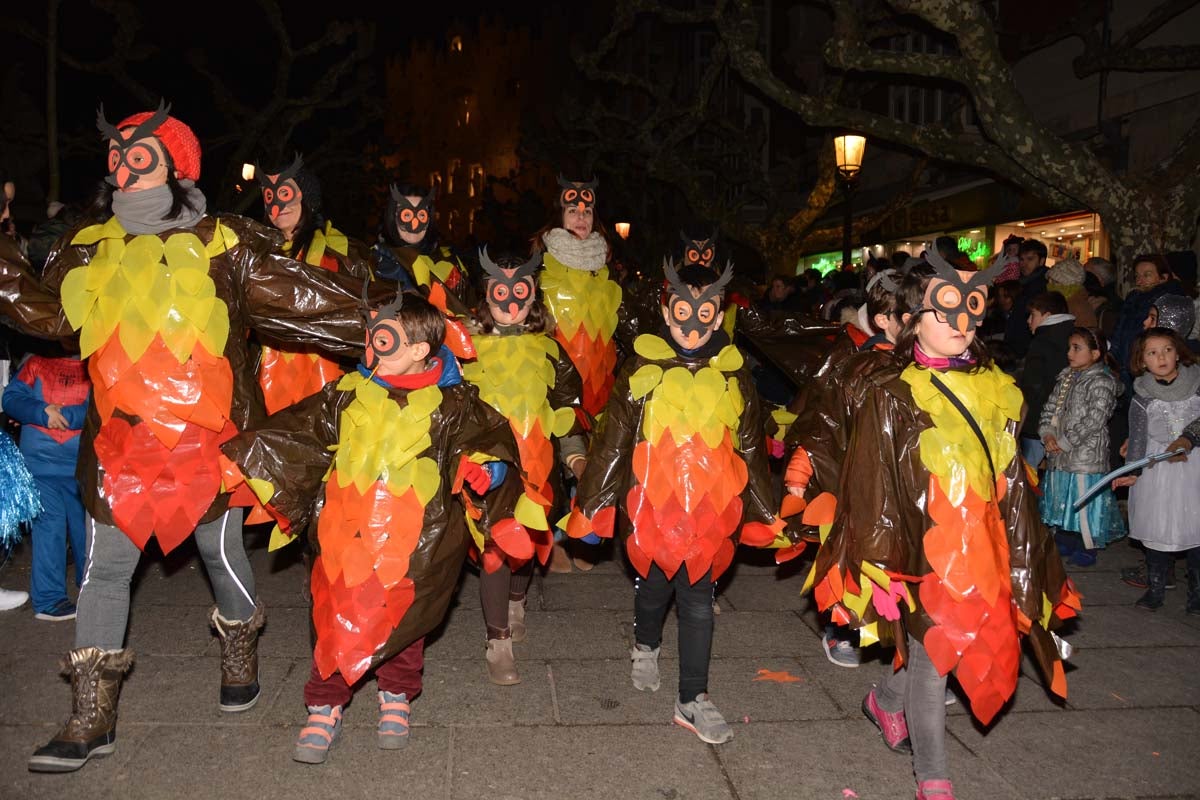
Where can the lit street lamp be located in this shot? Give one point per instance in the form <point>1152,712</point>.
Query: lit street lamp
<point>849,149</point>
<point>622,229</point>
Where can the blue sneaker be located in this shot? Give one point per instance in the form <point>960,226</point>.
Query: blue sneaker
<point>61,611</point>
<point>1083,558</point>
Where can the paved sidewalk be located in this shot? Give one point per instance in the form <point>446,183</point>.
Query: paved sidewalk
<point>575,728</point>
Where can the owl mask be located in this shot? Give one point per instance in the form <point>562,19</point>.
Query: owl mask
<point>577,194</point>
<point>508,288</point>
<point>699,251</point>
<point>280,191</point>
<point>131,156</point>
<point>958,295</point>
<point>694,315</point>
<point>407,217</point>
<point>385,334</point>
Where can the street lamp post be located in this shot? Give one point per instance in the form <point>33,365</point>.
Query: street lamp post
<point>849,149</point>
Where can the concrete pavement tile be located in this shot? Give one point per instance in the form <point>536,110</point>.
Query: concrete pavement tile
<point>171,631</point>
<point>764,592</point>
<point>600,692</point>
<point>109,776</point>
<point>638,762</point>
<point>821,759</point>
<point>738,634</point>
<point>287,634</point>
<point>1133,677</point>
<point>1104,589</point>
<point>1110,753</point>
<point>758,633</point>
<point>552,634</point>
<point>174,689</point>
<point>1131,627</point>
<point>254,761</point>
<point>573,592</point>
<point>21,633</point>
<point>458,692</point>
<point>185,586</point>
<point>45,695</point>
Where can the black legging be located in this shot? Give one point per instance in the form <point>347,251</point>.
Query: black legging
<point>693,602</point>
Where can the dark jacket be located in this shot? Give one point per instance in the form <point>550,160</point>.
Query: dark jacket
<point>1016,332</point>
<point>1046,358</point>
<point>1134,311</point>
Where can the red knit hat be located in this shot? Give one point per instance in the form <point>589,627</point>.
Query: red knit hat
<point>182,145</point>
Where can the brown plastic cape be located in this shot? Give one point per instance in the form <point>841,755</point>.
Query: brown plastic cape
<point>460,298</point>
<point>609,475</point>
<point>291,451</point>
<point>795,343</point>
<point>284,380</point>
<point>824,410</point>
<point>270,294</point>
<point>882,519</point>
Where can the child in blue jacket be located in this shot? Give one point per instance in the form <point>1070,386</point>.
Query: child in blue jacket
<point>49,397</point>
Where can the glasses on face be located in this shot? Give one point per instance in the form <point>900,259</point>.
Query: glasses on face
<point>938,315</point>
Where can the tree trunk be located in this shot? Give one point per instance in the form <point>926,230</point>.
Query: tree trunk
<point>52,99</point>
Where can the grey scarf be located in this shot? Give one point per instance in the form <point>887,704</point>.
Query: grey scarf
<point>1185,385</point>
<point>144,212</point>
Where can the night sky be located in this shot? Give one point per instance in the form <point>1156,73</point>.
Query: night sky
<point>236,42</point>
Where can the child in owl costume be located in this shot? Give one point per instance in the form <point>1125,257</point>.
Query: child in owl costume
<point>523,373</point>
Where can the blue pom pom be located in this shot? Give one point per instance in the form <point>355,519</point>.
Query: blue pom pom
<point>22,501</point>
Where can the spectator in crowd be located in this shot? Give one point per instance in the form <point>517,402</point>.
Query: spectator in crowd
<point>1066,278</point>
<point>59,219</point>
<point>1050,328</point>
<point>1101,286</point>
<point>1010,259</point>
<point>1152,279</point>
<point>1033,282</point>
<point>947,247</point>
<point>779,291</point>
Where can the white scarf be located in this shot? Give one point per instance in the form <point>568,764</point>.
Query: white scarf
<point>583,254</point>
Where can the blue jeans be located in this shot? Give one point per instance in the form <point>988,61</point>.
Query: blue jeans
<point>61,521</point>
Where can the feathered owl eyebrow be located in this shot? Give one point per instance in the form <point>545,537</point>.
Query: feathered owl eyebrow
<point>146,128</point>
<point>593,184</point>
<point>946,271</point>
<point>287,174</point>
<point>680,288</point>
<point>494,271</point>
<point>400,198</point>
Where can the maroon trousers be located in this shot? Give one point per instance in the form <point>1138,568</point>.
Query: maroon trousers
<point>399,674</point>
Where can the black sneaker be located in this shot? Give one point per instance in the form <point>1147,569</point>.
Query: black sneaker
<point>1136,577</point>
<point>62,611</point>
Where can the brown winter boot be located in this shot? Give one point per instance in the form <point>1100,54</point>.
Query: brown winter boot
<point>92,727</point>
<point>239,659</point>
<point>502,667</point>
<point>516,619</point>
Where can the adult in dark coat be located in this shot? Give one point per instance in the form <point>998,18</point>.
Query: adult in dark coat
<point>1032,255</point>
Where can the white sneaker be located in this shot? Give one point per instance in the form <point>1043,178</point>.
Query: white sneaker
<point>11,598</point>
<point>645,668</point>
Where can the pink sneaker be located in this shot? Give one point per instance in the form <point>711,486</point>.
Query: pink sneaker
<point>935,790</point>
<point>890,723</point>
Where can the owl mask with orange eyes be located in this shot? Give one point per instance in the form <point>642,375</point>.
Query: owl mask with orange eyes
<point>280,191</point>
<point>576,194</point>
<point>694,315</point>
<point>129,158</point>
<point>699,251</point>
<point>385,334</point>
<point>405,216</point>
<point>510,289</point>
<point>958,295</point>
